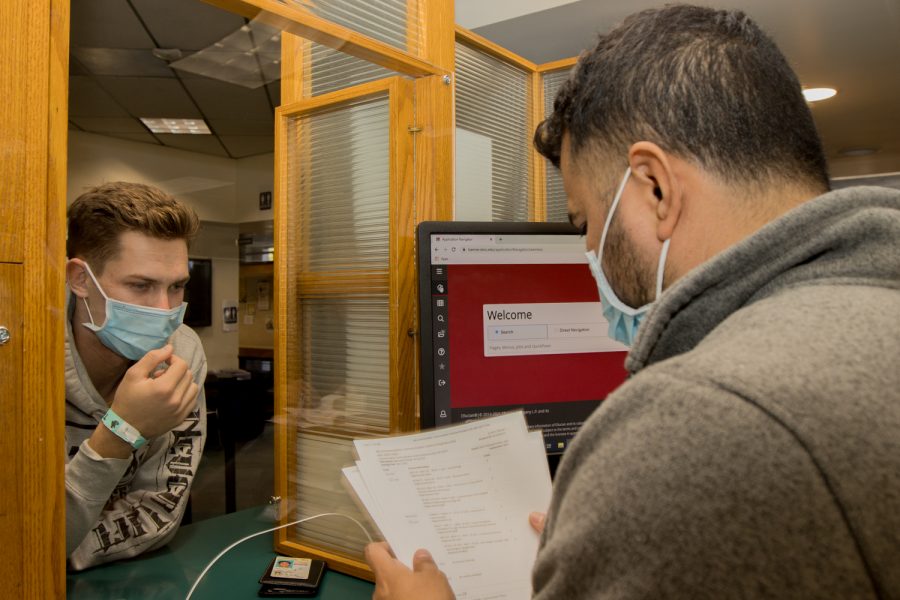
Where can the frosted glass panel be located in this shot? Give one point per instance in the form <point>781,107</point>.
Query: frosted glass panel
<point>337,326</point>
<point>492,101</point>
<point>556,195</point>
<point>316,480</point>
<point>345,365</point>
<point>343,394</point>
<point>338,172</point>
<point>333,70</point>
<point>394,22</point>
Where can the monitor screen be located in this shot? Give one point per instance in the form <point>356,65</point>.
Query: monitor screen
<point>511,318</point>
<point>198,293</point>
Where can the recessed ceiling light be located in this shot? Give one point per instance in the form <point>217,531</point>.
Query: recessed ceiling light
<point>857,151</point>
<point>816,94</point>
<point>186,126</point>
<point>167,54</point>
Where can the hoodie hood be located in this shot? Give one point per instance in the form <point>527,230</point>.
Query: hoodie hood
<point>849,235</point>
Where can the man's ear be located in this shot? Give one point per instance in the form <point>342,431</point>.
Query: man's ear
<point>77,277</point>
<point>654,172</point>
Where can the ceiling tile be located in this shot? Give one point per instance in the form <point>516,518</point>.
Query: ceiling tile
<point>205,144</point>
<point>240,146</point>
<point>124,62</point>
<point>107,24</point>
<point>250,70</point>
<point>135,137</point>
<point>151,96</point>
<point>87,99</point>
<point>188,25</point>
<point>243,126</point>
<point>229,101</point>
<point>849,45</point>
<point>110,125</point>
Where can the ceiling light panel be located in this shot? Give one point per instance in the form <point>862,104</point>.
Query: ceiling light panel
<point>181,126</point>
<point>816,94</point>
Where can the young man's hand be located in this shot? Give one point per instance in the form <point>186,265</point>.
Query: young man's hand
<point>394,580</point>
<point>154,402</point>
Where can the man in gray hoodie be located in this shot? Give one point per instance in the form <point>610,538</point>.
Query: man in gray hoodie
<point>135,408</point>
<point>755,449</point>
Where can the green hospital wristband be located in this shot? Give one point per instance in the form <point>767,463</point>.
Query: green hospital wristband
<point>121,428</point>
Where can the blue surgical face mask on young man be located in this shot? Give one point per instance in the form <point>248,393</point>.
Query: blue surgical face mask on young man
<point>132,330</point>
<point>623,319</point>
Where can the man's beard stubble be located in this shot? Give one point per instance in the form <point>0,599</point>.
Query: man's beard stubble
<point>631,278</point>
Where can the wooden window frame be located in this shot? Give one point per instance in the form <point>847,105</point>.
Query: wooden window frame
<point>539,114</point>
<point>537,202</point>
<point>293,282</point>
<point>302,23</point>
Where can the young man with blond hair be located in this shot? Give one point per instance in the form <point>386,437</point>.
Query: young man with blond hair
<point>135,420</point>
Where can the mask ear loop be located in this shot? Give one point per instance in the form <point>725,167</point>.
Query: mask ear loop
<point>661,268</point>
<point>609,215</point>
<point>90,316</point>
<point>90,272</point>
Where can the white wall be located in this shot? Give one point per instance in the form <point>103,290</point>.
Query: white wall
<point>473,198</point>
<point>477,13</point>
<point>223,190</point>
<point>255,174</point>
<point>208,183</point>
<point>218,241</point>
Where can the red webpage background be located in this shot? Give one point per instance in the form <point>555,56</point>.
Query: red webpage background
<point>476,380</point>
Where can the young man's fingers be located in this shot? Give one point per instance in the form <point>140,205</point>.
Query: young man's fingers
<point>174,373</point>
<point>147,364</point>
<point>183,386</point>
<point>190,405</point>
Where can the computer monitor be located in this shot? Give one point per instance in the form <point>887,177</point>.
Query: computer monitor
<point>198,293</point>
<point>510,318</point>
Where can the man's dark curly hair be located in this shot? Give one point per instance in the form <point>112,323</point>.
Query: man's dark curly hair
<point>706,85</point>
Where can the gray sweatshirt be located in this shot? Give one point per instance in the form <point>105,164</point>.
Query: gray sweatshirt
<point>120,507</point>
<point>755,450</point>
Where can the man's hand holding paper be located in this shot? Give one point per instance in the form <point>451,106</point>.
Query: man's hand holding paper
<point>465,493</point>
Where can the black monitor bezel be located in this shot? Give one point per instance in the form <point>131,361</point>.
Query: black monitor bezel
<point>424,231</point>
<point>202,286</point>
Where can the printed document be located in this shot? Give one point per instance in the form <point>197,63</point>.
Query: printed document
<point>464,493</point>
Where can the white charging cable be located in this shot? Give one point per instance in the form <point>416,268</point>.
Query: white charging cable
<point>242,540</point>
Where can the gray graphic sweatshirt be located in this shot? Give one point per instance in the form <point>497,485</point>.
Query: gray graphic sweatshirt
<point>120,507</point>
<point>755,450</point>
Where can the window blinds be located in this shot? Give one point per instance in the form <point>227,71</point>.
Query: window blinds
<point>492,101</point>
<point>556,195</point>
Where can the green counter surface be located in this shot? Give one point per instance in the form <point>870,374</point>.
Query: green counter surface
<point>169,573</point>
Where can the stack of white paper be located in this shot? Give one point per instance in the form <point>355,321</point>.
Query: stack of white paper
<point>464,493</point>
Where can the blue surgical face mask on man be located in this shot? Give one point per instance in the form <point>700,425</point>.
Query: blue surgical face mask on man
<point>623,319</point>
<point>132,330</point>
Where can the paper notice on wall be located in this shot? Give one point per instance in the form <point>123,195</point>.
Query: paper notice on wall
<point>229,315</point>
<point>262,295</point>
